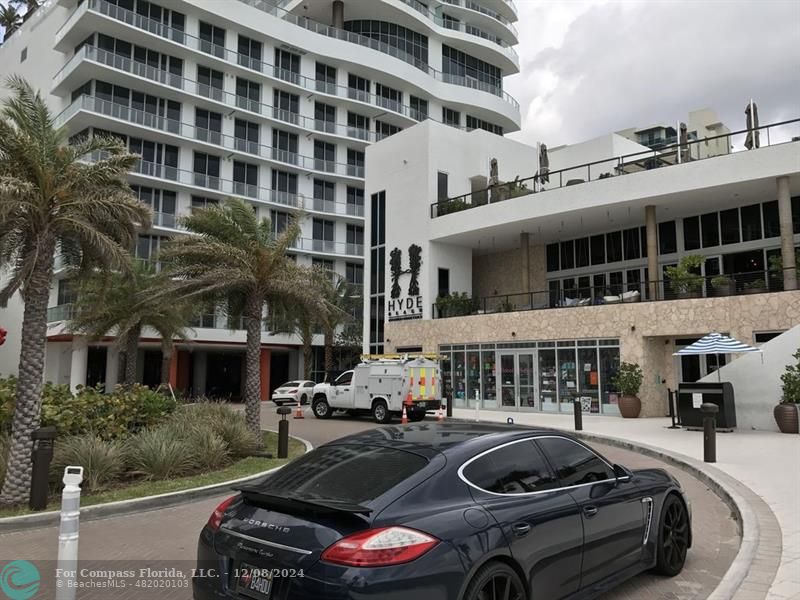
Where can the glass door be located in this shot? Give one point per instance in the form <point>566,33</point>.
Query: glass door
<point>508,381</point>
<point>567,379</point>
<point>548,378</point>
<point>527,379</point>
<point>589,380</point>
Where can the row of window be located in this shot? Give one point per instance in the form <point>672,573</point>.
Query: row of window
<point>456,63</point>
<point>377,244</point>
<point>629,244</point>
<point>404,39</point>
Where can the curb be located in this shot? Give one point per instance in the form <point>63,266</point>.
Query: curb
<point>728,489</point>
<point>125,507</point>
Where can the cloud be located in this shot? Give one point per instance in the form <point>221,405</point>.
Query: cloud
<point>590,68</point>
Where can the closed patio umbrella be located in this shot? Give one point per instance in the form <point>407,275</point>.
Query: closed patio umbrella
<point>544,164</point>
<point>752,140</point>
<point>716,343</point>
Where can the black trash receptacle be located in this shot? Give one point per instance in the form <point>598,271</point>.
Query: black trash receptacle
<point>692,395</point>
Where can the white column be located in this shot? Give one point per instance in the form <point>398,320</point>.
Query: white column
<point>787,234</point>
<point>78,364</point>
<point>112,369</point>
<point>652,250</point>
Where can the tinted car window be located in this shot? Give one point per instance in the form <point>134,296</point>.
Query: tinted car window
<point>291,384</point>
<point>351,473</point>
<point>344,379</point>
<point>308,384</point>
<point>574,464</point>
<point>514,469</point>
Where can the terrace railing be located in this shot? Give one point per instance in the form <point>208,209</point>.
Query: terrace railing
<point>617,166</point>
<point>737,284</point>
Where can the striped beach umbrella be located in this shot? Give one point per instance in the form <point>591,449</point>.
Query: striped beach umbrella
<point>716,343</point>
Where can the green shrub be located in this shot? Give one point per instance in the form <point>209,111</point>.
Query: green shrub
<point>209,451</point>
<point>158,453</point>
<point>223,421</point>
<point>791,382</point>
<point>628,379</point>
<point>238,438</point>
<point>102,461</point>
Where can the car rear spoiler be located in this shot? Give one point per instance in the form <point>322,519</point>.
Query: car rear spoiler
<point>283,501</point>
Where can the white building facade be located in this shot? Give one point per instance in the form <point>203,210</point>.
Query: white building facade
<point>533,290</point>
<point>275,104</point>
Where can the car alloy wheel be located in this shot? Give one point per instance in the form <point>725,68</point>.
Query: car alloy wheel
<point>496,581</point>
<point>322,409</point>
<point>674,537</point>
<point>380,412</point>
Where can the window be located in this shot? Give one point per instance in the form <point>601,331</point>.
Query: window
<point>357,125</point>
<point>245,135</point>
<point>751,223</point>
<point>326,78</point>
<point>552,258</point>
<point>324,156</point>
<point>161,201</point>
<point>444,283</point>
<point>284,146</point>
<point>351,474</point>
<point>208,126</point>
<point>451,117</point>
<point>459,67</point>
<point>322,234</point>
<point>384,130</point>
<point>324,117</point>
<point>419,108</point>
<point>582,252</point>
<point>631,239</point>
<point>614,246</point>
<point>476,123</point>
<point>358,88</point>
<point>667,238</point>
<point>759,337</point>
<point>730,226</point>
<point>284,187</point>
<point>354,273</point>
<point>158,160</point>
<point>286,106</point>
<point>772,226</point>
<point>355,163</point>
<point>355,201</point>
<point>209,83</point>
<point>691,233</point>
<point>598,249</point>
<point>248,94</point>
<point>388,97</point>
<point>287,66</point>
<point>206,170</point>
<point>212,39</point>
<point>245,179</point>
<point>199,203</point>
<point>279,221</point>
<point>66,292</point>
<point>249,53</point>
<point>441,186</point>
<point>326,265</point>
<point>796,213</point>
<point>568,255</point>
<point>324,193</point>
<point>514,469</point>
<point>355,239</point>
<point>710,227</point>
<point>574,463</point>
<point>414,45</point>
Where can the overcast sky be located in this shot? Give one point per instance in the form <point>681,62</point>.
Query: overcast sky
<point>590,67</point>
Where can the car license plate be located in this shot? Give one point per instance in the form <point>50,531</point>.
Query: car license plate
<point>254,582</point>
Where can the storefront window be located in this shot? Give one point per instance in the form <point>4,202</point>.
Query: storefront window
<point>567,378</point>
<point>446,368</point>
<point>548,380</point>
<point>459,391</point>
<point>588,378</point>
<point>527,380</point>
<point>609,365</point>
<point>507,380</point>
<point>473,377</point>
<point>488,378</point>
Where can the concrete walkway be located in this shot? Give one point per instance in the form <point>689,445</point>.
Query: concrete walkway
<point>767,463</point>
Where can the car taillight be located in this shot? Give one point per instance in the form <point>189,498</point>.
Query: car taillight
<point>215,519</point>
<point>291,391</point>
<point>379,547</point>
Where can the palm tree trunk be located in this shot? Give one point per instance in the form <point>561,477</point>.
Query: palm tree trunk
<point>131,355</point>
<point>329,354</point>
<point>308,358</point>
<point>166,361</point>
<point>252,377</point>
<point>16,488</point>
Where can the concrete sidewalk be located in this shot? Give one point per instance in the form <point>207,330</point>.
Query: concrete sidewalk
<point>768,463</point>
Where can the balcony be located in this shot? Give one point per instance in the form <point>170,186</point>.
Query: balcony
<point>736,284</point>
<point>617,166</point>
<point>329,247</point>
<point>62,312</point>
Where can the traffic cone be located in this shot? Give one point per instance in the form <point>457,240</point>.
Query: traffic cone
<point>440,414</point>
<point>404,418</point>
<point>298,413</point>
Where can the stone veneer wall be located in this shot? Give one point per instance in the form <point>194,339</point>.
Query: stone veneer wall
<point>502,272</point>
<point>645,330</point>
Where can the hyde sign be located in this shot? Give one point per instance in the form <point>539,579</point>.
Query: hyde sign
<point>405,304</point>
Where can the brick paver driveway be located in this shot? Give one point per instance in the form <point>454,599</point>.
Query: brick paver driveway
<point>166,538</point>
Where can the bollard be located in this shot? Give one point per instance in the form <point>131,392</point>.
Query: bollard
<point>283,432</point>
<point>576,408</point>
<point>477,406</point>
<point>448,407</point>
<point>42,455</point>
<point>709,431</point>
<point>673,402</point>
<point>67,567</point>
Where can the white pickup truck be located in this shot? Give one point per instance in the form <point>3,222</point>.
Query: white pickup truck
<point>381,388</point>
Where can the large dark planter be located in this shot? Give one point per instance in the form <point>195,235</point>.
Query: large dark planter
<point>629,406</point>
<point>728,289</point>
<point>758,290</point>
<point>690,294</point>
<point>786,416</point>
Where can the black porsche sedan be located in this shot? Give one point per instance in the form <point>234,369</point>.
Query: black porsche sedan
<point>447,511</point>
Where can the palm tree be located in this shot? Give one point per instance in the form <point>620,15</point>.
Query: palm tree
<point>340,300</point>
<point>52,200</point>
<point>235,259</point>
<point>125,303</point>
<point>10,20</point>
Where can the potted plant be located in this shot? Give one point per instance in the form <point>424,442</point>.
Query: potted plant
<point>757,286</point>
<point>628,381</point>
<point>442,306</point>
<point>787,413</point>
<point>685,278</point>
<point>723,285</point>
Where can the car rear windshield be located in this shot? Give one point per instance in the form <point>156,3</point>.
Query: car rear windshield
<point>351,473</point>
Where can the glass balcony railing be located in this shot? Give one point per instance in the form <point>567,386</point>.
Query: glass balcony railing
<point>160,29</point>
<point>62,312</point>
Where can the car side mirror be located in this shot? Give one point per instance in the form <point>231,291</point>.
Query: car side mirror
<point>621,472</point>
